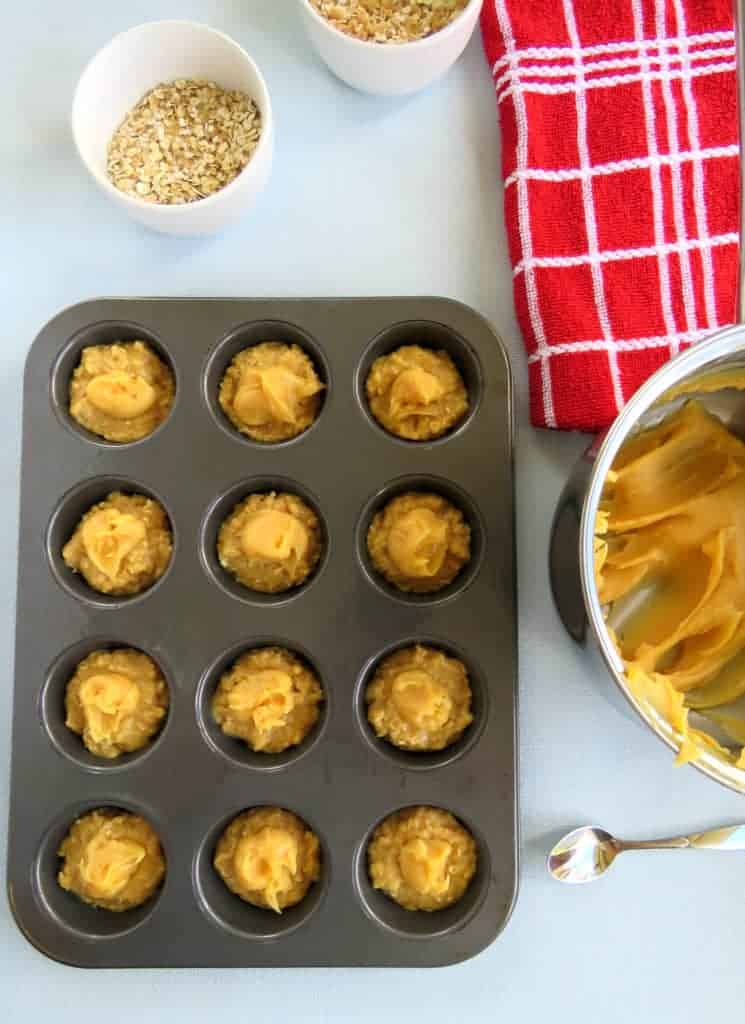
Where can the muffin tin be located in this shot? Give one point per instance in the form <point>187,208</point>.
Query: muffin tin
<point>191,781</point>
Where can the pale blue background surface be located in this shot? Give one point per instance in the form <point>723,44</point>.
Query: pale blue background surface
<point>368,197</point>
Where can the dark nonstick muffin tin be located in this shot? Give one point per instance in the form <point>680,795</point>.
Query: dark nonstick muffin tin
<point>192,780</point>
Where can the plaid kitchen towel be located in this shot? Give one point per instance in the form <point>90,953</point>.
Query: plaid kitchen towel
<point>620,163</point>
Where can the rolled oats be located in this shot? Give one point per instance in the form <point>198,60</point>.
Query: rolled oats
<point>183,141</point>
<point>389,21</point>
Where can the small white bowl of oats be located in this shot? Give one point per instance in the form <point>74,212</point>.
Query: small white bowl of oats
<point>174,122</point>
<point>390,47</point>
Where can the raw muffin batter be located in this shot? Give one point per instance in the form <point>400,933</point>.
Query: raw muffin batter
<point>419,542</point>
<point>122,545</point>
<point>268,857</point>
<point>419,699</point>
<point>121,392</point>
<point>422,858</point>
<point>269,698</point>
<point>270,542</point>
<point>112,859</point>
<point>116,701</point>
<point>416,393</point>
<point>271,392</point>
<point>670,543</point>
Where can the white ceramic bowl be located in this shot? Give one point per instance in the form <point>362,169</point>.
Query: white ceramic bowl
<point>390,69</point>
<point>136,61</point>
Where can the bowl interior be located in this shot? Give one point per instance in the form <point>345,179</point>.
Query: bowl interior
<point>726,403</point>
<point>385,51</point>
<point>713,374</point>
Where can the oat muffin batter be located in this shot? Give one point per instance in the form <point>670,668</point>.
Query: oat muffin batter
<point>419,699</point>
<point>117,700</point>
<point>122,545</point>
<point>270,542</point>
<point>416,394</point>
<point>121,392</point>
<point>419,542</point>
<point>271,392</point>
<point>269,698</point>
<point>268,857</point>
<point>112,859</point>
<point>422,858</point>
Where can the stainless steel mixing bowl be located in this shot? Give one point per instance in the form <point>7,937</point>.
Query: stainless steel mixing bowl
<point>571,555</point>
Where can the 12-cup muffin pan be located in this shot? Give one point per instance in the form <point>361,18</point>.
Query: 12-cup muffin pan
<point>192,780</point>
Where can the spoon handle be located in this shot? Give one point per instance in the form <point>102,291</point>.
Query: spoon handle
<point>732,838</point>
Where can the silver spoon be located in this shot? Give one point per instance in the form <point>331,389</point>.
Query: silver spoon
<point>586,853</point>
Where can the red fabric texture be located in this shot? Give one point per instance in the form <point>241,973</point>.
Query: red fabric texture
<point>620,165</point>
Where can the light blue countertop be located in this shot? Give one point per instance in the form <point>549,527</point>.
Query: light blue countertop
<point>368,197</point>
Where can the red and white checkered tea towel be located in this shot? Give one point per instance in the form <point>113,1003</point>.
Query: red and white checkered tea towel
<point>620,162</point>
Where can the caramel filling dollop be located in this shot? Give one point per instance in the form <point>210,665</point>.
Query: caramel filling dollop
<point>109,536</point>
<point>423,864</point>
<point>266,697</point>
<point>106,699</point>
<point>418,542</point>
<point>421,700</point>
<point>274,393</point>
<point>276,536</point>
<point>108,864</point>
<point>267,862</point>
<point>121,395</point>
<point>414,390</point>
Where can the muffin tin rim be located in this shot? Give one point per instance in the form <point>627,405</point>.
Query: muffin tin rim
<point>258,483</point>
<point>206,687</point>
<point>64,820</point>
<point>424,483</point>
<point>97,599</point>
<point>364,363</point>
<point>203,857</point>
<point>404,759</point>
<point>134,331</point>
<point>310,346</point>
<point>361,880</point>
<point>100,766</point>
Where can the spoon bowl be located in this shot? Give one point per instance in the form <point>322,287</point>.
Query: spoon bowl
<point>583,855</point>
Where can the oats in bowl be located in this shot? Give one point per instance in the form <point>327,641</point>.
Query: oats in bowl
<point>182,142</point>
<point>389,21</point>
